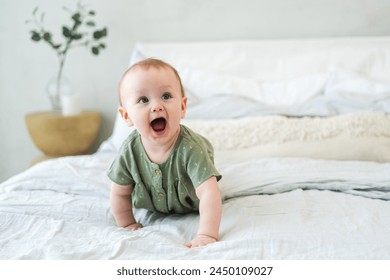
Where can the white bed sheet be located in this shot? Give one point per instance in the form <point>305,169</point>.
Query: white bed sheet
<point>59,209</point>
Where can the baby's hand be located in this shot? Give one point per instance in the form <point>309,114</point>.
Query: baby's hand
<point>201,240</point>
<point>134,226</point>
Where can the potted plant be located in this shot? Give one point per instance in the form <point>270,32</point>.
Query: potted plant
<point>65,134</point>
<point>81,32</point>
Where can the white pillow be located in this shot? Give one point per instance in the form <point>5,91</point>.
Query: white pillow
<point>119,133</point>
<point>354,85</point>
<point>283,93</point>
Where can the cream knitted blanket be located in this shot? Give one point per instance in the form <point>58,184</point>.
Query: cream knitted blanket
<point>251,131</point>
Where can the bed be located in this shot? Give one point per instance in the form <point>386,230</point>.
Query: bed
<point>301,131</point>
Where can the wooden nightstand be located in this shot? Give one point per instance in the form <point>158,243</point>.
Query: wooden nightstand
<point>56,135</point>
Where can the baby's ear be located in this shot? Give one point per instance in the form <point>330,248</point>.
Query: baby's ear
<point>183,107</point>
<point>125,116</point>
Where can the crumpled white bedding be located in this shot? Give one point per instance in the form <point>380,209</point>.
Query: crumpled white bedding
<point>353,94</point>
<point>274,208</point>
<point>294,77</point>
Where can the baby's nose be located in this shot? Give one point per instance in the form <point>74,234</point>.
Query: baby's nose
<point>157,107</point>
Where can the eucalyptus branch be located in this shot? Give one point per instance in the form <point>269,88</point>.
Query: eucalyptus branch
<point>80,17</point>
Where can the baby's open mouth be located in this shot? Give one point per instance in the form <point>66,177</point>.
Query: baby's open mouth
<point>158,124</point>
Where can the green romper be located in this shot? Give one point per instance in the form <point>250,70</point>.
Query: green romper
<point>168,187</point>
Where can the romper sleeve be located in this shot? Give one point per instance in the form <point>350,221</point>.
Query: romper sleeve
<point>200,163</point>
<point>119,171</point>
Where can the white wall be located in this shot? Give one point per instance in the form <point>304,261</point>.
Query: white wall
<point>26,67</point>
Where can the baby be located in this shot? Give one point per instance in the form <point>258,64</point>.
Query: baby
<point>162,166</point>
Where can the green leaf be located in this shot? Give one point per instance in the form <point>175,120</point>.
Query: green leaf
<point>66,32</point>
<point>95,50</point>
<point>90,23</point>
<point>47,36</point>
<point>35,36</point>
<point>97,34</point>
<point>91,13</point>
<point>77,36</point>
<point>104,32</point>
<point>76,17</point>
<point>102,46</point>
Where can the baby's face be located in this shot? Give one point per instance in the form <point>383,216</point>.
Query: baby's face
<point>152,101</point>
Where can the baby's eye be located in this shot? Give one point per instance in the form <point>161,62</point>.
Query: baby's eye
<point>166,96</point>
<point>143,100</point>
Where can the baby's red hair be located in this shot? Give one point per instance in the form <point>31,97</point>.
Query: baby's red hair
<point>146,64</point>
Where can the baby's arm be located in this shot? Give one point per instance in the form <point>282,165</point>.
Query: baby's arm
<point>122,208</point>
<point>210,212</point>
